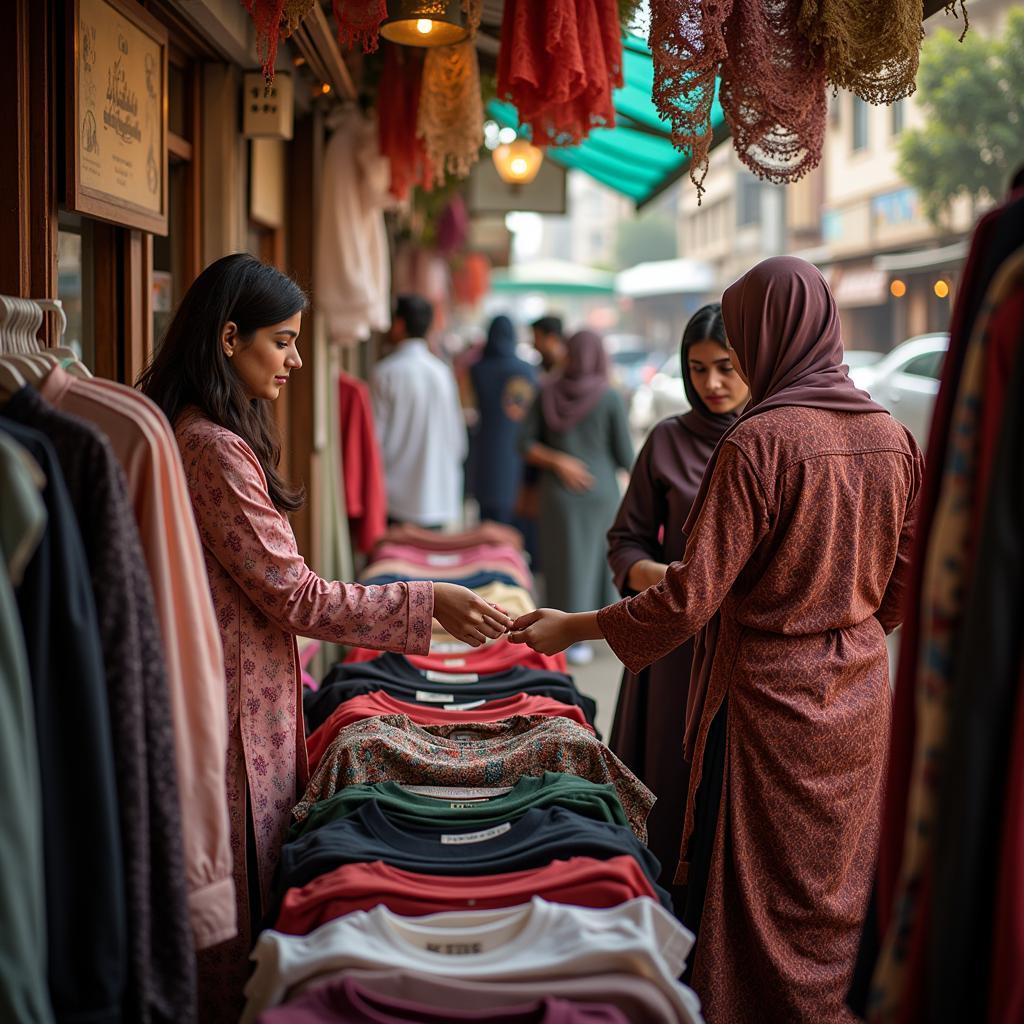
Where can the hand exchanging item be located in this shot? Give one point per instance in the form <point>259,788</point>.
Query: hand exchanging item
<point>545,630</point>
<point>467,616</point>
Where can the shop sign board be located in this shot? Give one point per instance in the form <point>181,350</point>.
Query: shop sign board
<point>117,114</point>
<point>489,194</point>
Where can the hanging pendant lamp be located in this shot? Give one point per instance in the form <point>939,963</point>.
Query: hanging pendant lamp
<point>424,23</point>
<point>518,162</point>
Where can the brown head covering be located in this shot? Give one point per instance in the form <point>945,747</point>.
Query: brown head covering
<point>782,322</point>
<point>568,397</point>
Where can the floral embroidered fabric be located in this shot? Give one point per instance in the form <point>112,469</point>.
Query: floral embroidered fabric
<point>451,112</point>
<point>392,748</point>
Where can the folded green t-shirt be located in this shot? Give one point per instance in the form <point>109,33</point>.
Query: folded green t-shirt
<point>590,799</point>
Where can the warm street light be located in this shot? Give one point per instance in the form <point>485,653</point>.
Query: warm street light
<point>518,162</point>
<point>897,288</point>
<point>941,288</point>
<point>424,22</point>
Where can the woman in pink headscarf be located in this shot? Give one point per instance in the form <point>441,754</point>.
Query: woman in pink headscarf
<point>795,563</point>
<point>577,433</point>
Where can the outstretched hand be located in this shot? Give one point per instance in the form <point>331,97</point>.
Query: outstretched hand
<point>545,630</point>
<point>467,616</point>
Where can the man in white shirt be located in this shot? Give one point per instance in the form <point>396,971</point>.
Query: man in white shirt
<point>419,422</point>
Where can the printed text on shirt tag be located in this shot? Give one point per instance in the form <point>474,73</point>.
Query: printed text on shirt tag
<point>476,837</point>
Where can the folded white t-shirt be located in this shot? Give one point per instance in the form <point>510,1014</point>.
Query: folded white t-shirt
<point>534,941</point>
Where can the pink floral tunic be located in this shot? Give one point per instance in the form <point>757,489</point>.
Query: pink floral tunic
<point>264,594</point>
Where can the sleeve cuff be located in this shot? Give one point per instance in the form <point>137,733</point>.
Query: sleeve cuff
<point>421,612</point>
<point>614,623</point>
<point>213,913</point>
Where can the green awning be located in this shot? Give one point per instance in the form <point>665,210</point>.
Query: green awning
<point>553,277</point>
<point>635,158</point>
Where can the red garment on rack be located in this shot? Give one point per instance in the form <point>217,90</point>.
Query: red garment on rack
<point>580,881</point>
<point>559,64</point>
<point>398,102</point>
<point>363,470</point>
<point>498,656</point>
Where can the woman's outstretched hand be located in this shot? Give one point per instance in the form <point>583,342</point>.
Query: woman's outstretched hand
<point>545,630</point>
<point>467,616</point>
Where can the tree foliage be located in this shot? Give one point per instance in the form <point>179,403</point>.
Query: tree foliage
<point>651,236</point>
<point>973,139</point>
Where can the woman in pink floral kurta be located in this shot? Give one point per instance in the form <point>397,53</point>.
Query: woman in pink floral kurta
<point>227,353</point>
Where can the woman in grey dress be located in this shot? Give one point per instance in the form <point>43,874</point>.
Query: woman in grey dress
<point>577,434</point>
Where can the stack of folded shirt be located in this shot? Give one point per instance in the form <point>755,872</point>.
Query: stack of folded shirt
<point>467,849</point>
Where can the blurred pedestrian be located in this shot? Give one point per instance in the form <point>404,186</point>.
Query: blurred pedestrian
<point>505,387</point>
<point>419,422</point>
<point>650,719</point>
<point>577,434</point>
<point>549,341</point>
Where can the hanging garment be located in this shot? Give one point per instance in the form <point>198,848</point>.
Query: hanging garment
<point>23,988</point>
<point>366,497</point>
<point>265,594</point>
<point>984,690</point>
<point>87,951</point>
<point>450,119</point>
<point>398,101</point>
<point>161,980</point>
<point>392,748</point>
<point>473,807</point>
<point>536,838</point>
<point>772,83</point>
<point>356,709</point>
<point>580,881</point>
<point>550,940</point>
<point>558,64</point>
<point>903,849</point>
<point>346,1001</point>
<point>397,675</point>
<point>650,716</point>
<point>142,440</point>
<point>422,435</point>
<point>638,998</point>
<point>352,282</point>
<point>573,524</point>
<point>504,387</point>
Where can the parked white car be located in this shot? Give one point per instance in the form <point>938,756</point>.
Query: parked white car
<point>906,381</point>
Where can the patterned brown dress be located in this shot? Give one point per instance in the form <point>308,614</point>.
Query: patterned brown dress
<point>802,545</point>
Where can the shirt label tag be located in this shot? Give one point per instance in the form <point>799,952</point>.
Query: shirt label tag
<point>449,647</point>
<point>464,707</point>
<point>426,697</point>
<point>476,837</point>
<point>437,559</point>
<point>452,677</point>
<point>456,948</point>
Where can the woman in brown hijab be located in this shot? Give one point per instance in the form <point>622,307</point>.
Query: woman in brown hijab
<point>648,535</point>
<point>795,562</point>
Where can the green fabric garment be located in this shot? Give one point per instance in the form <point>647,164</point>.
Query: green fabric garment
<point>573,526</point>
<point>24,996</point>
<point>590,799</point>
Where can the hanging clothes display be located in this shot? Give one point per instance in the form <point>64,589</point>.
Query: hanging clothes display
<point>559,64</point>
<point>366,497</point>
<point>398,103</point>
<point>951,747</point>
<point>352,281</point>
<point>359,22</point>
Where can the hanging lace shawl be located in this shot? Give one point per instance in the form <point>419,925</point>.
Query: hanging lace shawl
<point>359,22</point>
<point>559,64</point>
<point>772,82</point>
<point>871,47</point>
<point>473,9</point>
<point>398,101</point>
<point>275,20</point>
<point>451,113</point>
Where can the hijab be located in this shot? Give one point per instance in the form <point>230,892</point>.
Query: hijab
<point>782,321</point>
<point>501,339</point>
<point>568,397</point>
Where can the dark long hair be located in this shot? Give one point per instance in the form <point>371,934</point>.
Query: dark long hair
<point>190,367</point>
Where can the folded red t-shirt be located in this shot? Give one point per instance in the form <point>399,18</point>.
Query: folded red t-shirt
<point>498,656</point>
<point>580,881</point>
<point>368,705</point>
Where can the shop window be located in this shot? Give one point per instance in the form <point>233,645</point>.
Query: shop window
<point>859,125</point>
<point>74,284</point>
<point>748,210</point>
<point>899,116</point>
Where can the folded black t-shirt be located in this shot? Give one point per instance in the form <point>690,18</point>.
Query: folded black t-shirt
<point>396,675</point>
<point>537,838</point>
